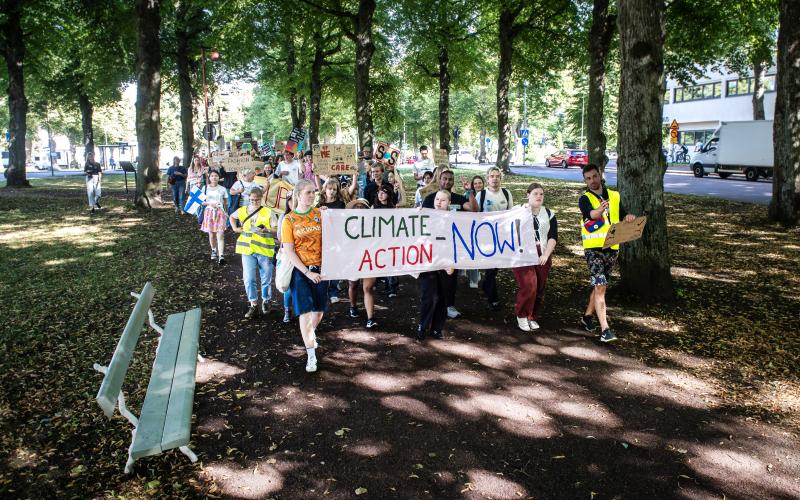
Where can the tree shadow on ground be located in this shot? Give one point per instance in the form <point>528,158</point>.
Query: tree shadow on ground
<point>488,412</point>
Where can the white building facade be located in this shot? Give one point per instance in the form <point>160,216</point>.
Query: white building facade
<point>699,108</point>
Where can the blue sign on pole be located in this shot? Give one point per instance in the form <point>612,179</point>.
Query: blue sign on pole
<point>524,141</point>
<point>488,140</point>
<point>524,133</point>
<point>8,136</point>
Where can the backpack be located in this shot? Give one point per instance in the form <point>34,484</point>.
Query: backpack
<point>482,198</point>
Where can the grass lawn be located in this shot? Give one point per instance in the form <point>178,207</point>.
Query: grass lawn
<point>67,274</point>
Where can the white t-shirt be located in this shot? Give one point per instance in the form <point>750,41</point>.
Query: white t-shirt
<point>217,196</point>
<point>293,168</point>
<point>246,187</point>
<point>421,166</point>
<point>495,201</point>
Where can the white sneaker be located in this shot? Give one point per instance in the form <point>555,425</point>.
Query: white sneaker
<point>311,364</point>
<point>473,284</point>
<point>534,325</point>
<point>452,312</point>
<point>334,299</point>
<point>523,324</point>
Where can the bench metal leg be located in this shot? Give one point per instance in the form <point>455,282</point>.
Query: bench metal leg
<point>189,453</point>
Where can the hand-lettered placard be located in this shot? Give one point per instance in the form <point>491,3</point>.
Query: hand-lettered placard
<point>441,158</point>
<point>387,154</point>
<point>334,159</point>
<point>623,232</point>
<point>366,243</point>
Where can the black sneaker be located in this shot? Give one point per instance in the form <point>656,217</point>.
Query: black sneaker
<point>371,323</point>
<point>97,204</point>
<point>493,306</point>
<point>252,311</point>
<point>607,336</point>
<point>353,313</point>
<point>265,307</point>
<point>587,323</point>
<point>221,260</point>
<point>420,333</point>
<point>437,334</point>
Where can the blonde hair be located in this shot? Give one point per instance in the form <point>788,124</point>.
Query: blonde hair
<point>300,187</point>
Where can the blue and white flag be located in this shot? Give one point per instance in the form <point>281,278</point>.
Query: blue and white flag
<point>195,201</point>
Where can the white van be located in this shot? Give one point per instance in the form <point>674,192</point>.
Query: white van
<point>737,148</point>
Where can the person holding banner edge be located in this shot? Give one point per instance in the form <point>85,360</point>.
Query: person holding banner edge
<point>301,240</point>
<point>600,208</point>
<point>533,279</point>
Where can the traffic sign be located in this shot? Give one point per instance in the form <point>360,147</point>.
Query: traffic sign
<point>456,132</point>
<point>209,132</point>
<point>524,141</point>
<point>488,140</point>
<point>674,125</point>
<point>673,136</point>
<point>524,133</point>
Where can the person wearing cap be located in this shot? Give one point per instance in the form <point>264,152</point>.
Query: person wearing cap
<point>288,168</point>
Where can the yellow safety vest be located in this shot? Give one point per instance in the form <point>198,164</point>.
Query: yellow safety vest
<point>597,238</point>
<point>250,242</point>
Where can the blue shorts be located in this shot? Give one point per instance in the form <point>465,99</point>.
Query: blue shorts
<point>308,296</point>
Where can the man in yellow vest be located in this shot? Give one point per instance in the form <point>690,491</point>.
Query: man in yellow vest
<point>600,208</point>
<point>256,245</point>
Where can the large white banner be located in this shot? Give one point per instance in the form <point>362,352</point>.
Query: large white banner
<point>361,243</point>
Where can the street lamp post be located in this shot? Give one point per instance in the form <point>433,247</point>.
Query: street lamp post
<point>214,55</point>
<point>525,117</point>
<point>582,109</point>
<point>260,137</point>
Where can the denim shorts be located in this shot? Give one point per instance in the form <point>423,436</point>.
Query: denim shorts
<point>308,296</point>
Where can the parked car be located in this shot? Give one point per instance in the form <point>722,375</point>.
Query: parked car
<point>567,158</point>
<point>463,156</point>
<point>411,159</point>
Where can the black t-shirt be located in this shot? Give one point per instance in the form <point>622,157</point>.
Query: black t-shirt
<point>334,204</point>
<point>586,206</point>
<point>92,169</point>
<point>371,192</point>
<point>455,199</point>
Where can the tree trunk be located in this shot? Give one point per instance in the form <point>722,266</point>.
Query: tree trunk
<point>414,141</point>
<point>482,154</point>
<point>599,43</point>
<point>17,103</point>
<point>148,102</point>
<point>759,72</point>
<point>87,113</point>
<point>302,114</point>
<point>365,48</point>
<point>644,263</point>
<point>291,61</point>
<point>185,82</point>
<point>316,87</point>
<point>503,83</point>
<point>444,98</point>
<point>785,204</point>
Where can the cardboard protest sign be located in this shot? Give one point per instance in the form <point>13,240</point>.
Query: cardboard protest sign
<point>387,154</point>
<point>275,195</point>
<point>623,232</point>
<point>440,157</point>
<point>367,243</point>
<point>239,163</point>
<point>263,182</point>
<point>432,187</point>
<point>217,157</point>
<point>334,159</point>
<point>280,147</point>
<point>295,138</point>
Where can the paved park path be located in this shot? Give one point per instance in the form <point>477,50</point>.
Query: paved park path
<point>489,412</point>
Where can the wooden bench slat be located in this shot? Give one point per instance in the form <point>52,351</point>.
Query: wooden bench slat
<point>154,409</point>
<point>177,429</point>
<point>121,359</point>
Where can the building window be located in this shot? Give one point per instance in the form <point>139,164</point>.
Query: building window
<point>744,86</point>
<point>666,96</point>
<point>692,137</point>
<point>703,91</point>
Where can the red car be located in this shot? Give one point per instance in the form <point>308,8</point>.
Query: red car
<point>567,158</point>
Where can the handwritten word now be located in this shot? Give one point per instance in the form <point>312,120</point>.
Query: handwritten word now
<point>490,235</point>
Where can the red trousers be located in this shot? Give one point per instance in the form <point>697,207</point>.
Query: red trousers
<point>531,281</point>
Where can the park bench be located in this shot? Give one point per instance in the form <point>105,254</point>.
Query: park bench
<point>166,416</point>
